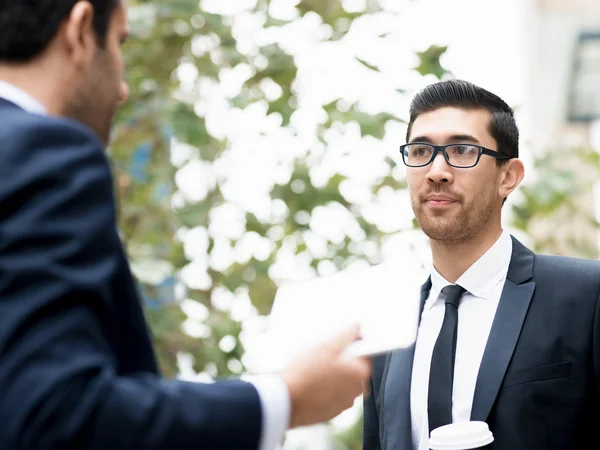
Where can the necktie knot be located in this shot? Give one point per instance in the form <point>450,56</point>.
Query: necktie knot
<point>452,294</point>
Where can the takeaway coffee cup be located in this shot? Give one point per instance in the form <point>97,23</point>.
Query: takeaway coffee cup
<point>461,436</point>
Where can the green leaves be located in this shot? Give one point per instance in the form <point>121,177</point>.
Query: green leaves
<point>554,209</point>
<point>370,124</point>
<point>190,128</point>
<point>367,65</point>
<point>329,10</point>
<point>429,62</point>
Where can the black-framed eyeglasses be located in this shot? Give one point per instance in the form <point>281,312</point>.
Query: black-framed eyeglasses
<point>463,156</point>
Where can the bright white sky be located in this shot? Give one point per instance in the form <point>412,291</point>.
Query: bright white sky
<point>485,39</point>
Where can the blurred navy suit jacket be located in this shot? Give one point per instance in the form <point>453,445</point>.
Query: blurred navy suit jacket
<point>77,369</point>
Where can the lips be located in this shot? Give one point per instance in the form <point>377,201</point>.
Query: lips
<point>439,200</point>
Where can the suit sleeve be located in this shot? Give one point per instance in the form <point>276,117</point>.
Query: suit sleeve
<point>59,381</point>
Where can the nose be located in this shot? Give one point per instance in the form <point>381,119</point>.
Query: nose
<point>123,92</point>
<point>440,171</point>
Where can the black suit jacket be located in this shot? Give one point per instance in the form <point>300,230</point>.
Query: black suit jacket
<point>77,370</point>
<point>538,385</point>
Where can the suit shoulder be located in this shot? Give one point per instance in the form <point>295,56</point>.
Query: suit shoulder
<point>37,146</point>
<point>567,268</point>
<point>47,162</point>
<point>23,130</point>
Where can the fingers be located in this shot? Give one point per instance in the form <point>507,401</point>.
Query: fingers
<point>367,380</point>
<point>359,374</point>
<point>345,338</point>
<point>363,367</point>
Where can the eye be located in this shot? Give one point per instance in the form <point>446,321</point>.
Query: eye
<point>420,150</point>
<point>463,150</point>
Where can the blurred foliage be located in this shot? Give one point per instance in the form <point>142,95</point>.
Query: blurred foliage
<point>429,61</point>
<point>165,36</point>
<point>555,208</point>
<point>351,438</point>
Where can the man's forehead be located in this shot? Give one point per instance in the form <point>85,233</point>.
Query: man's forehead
<point>442,123</point>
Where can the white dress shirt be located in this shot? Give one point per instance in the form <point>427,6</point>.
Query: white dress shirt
<point>272,390</point>
<point>483,281</point>
<point>20,98</point>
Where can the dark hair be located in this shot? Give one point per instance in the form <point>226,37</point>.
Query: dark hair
<point>28,26</point>
<point>466,95</point>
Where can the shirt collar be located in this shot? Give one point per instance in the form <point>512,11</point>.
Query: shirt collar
<point>482,276</point>
<point>21,98</point>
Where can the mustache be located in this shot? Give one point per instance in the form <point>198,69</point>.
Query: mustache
<point>440,190</point>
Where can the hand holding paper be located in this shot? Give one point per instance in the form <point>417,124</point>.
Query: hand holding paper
<point>325,381</point>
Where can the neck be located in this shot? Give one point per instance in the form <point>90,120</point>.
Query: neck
<point>452,258</point>
<point>36,79</point>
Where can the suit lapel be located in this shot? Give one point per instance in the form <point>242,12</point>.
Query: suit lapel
<point>396,392</point>
<point>506,328</point>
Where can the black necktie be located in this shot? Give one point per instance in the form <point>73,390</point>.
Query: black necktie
<point>439,403</point>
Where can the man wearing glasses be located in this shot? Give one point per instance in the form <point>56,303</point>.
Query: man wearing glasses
<point>505,336</point>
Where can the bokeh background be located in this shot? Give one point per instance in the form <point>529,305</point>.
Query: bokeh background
<point>260,147</point>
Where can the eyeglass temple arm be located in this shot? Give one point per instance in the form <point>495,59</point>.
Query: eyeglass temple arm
<point>496,155</point>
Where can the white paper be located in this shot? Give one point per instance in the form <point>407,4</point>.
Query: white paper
<point>384,300</point>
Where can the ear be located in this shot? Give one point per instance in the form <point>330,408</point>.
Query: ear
<point>512,174</point>
<point>79,35</point>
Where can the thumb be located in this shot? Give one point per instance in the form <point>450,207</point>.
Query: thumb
<point>345,338</point>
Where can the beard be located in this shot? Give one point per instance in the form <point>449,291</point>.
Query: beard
<point>94,101</point>
<point>450,225</point>
<point>98,119</point>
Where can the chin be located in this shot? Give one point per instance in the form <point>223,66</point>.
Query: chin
<point>103,131</point>
<point>439,234</point>
<point>441,229</point>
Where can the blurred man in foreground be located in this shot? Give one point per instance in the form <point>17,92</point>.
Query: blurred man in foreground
<point>77,370</point>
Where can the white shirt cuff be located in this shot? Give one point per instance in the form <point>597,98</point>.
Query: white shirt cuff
<point>275,407</point>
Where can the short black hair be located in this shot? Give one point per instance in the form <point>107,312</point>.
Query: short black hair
<point>465,95</point>
<point>28,26</point>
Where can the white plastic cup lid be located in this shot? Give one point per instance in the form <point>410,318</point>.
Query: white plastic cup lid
<point>461,436</point>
